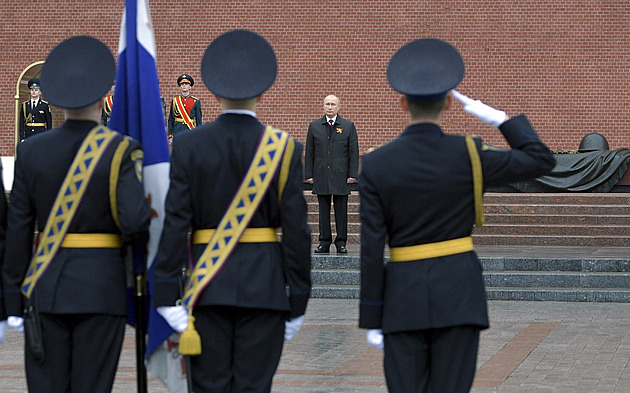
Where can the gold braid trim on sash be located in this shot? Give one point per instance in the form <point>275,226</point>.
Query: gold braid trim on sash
<point>182,111</point>
<point>284,169</point>
<point>114,174</point>
<point>477,173</point>
<point>250,193</point>
<point>67,203</point>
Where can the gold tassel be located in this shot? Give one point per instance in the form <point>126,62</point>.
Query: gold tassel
<point>190,342</point>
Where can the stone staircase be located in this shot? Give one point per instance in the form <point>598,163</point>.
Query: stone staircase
<point>547,219</point>
<point>543,221</point>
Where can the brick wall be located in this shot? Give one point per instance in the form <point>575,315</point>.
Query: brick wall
<point>564,63</point>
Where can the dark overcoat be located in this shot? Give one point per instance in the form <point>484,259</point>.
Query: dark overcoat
<point>330,161</point>
<point>207,167</point>
<point>418,189</point>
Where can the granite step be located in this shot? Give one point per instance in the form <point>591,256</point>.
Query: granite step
<point>574,219</point>
<point>556,209</point>
<point>570,279</point>
<point>551,240</point>
<point>583,230</point>
<point>519,219</point>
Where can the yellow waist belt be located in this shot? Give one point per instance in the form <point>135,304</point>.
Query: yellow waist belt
<point>35,124</point>
<point>91,240</point>
<point>431,250</point>
<point>251,235</point>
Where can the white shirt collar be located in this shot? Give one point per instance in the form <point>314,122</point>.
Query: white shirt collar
<point>334,119</point>
<point>239,112</point>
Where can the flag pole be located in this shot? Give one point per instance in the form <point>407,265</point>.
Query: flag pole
<point>189,380</point>
<point>141,371</point>
<point>141,325</point>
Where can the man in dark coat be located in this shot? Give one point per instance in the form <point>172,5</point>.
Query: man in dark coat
<point>258,297</point>
<point>331,164</point>
<point>422,193</point>
<point>35,116</point>
<point>86,199</point>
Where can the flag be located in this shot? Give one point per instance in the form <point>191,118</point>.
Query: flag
<point>137,112</point>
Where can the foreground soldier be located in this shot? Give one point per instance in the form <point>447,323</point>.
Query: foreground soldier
<point>234,181</point>
<point>81,184</point>
<point>423,192</point>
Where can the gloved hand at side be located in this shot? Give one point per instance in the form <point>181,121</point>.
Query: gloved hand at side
<point>292,326</point>
<point>16,323</point>
<point>375,338</point>
<point>175,316</point>
<point>483,112</point>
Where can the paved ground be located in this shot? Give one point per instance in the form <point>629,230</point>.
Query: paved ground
<point>530,347</point>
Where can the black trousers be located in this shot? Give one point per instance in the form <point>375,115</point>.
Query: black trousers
<point>82,352</point>
<point>341,219</point>
<point>240,349</point>
<point>434,360</point>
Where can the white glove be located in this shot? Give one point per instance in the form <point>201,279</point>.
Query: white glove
<point>175,316</point>
<point>16,323</point>
<point>3,330</point>
<point>375,338</point>
<point>292,326</point>
<point>483,112</point>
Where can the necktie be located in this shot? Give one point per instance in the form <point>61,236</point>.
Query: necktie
<point>330,128</point>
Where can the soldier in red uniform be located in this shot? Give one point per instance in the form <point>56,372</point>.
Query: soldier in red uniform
<point>185,111</point>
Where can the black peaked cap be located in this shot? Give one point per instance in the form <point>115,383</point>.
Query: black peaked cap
<point>425,69</point>
<point>239,65</point>
<point>78,72</point>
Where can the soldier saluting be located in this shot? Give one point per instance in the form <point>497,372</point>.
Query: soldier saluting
<point>35,116</point>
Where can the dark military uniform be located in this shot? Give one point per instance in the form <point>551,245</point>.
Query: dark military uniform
<point>241,314</point>
<point>81,295</point>
<point>253,280</point>
<point>192,106</point>
<point>418,190</point>
<point>34,119</point>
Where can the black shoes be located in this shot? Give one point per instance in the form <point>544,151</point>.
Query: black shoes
<point>322,250</point>
<point>341,249</point>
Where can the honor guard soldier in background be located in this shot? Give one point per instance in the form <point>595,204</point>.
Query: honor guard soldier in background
<point>35,116</point>
<point>185,111</point>
<point>81,184</point>
<point>234,182</point>
<point>422,193</point>
<point>108,104</point>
